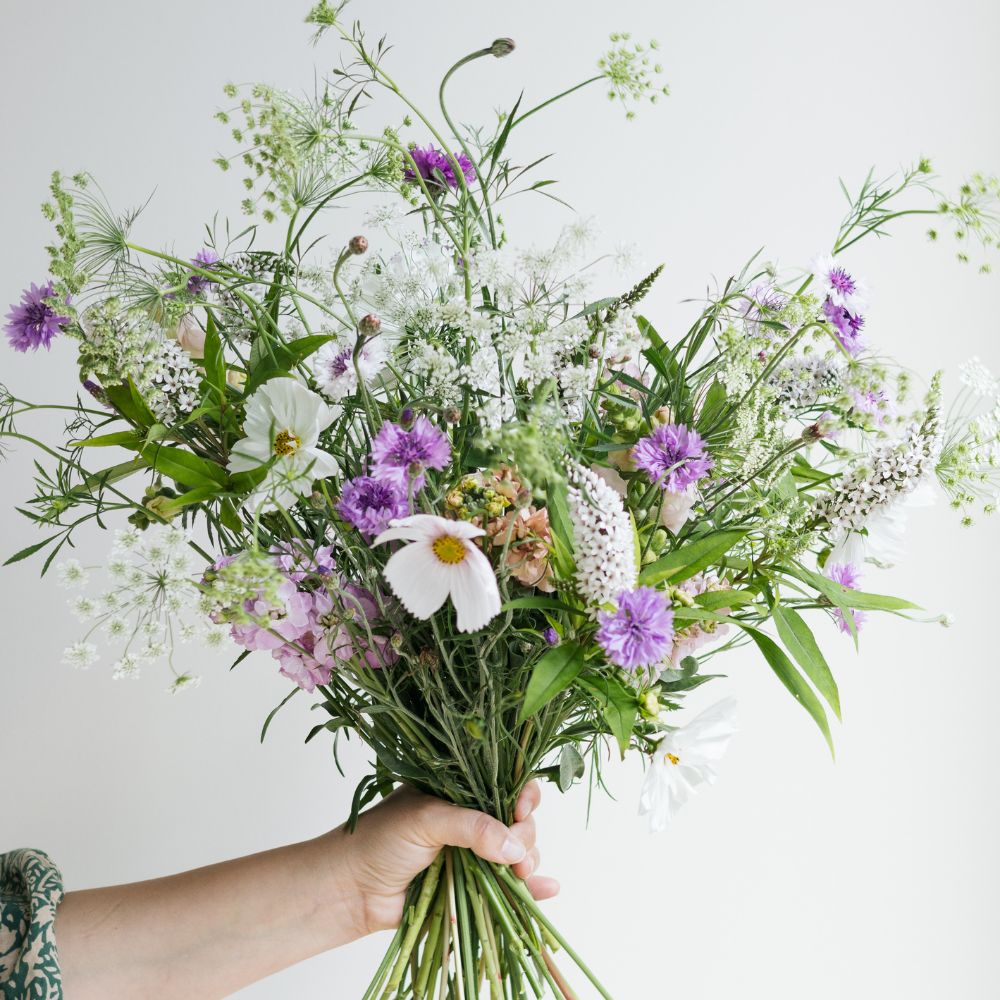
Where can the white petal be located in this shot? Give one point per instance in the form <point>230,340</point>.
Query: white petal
<point>418,578</point>
<point>474,592</point>
<point>249,453</point>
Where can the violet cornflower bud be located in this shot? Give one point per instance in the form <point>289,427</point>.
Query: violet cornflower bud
<point>453,414</point>
<point>358,245</point>
<point>551,636</point>
<point>406,416</point>
<point>502,47</point>
<point>370,325</point>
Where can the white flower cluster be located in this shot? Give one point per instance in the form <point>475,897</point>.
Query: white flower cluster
<point>152,603</point>
<point>174,383</point>
<point>890,473</point>
<point>119,344</point>
<point>804,380</point>
<point>976,376</point>
<point>602,538</point>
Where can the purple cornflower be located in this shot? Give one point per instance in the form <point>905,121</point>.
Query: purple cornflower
<point>402,456</point>
<point>33,322</point>
<point>551,636</point>
<point>641,632</point>
<point>673,456</point>
<point>204,259</point>
<point>370,504</point>
<point>847,326</point>
<point>432,165</point>
<point>847,575</point>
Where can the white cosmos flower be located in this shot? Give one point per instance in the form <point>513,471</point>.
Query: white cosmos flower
<point>283,422</point>
<point>441,561</point>
<point>684,759</point>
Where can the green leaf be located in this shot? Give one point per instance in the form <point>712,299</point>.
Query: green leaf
<point>274,711</point>
<point>123,399</point>
<point>183,466</point>
<point>120,439</point>
<point>557,504</point>
<point>847,599</point>
<point>29,551</point>
<point>214,361</point>
<point>714,406</point>
<point>793,681</point>
<point>618,706</point>
<point>800,642</point>
<point>571,767</point>
<point>692,558</point>
<point>712,600</point>
<point>282,359</point>
<point>554,672</point>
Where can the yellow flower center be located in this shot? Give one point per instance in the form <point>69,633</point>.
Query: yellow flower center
<point>449,549</point>
<point>673,758</point>
<point>286,443</point>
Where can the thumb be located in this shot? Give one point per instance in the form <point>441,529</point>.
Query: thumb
<point>442,824</point>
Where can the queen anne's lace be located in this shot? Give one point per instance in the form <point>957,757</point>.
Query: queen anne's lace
<point>602,538</point>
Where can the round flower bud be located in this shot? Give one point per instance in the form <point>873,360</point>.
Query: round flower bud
<point>370,325</point>
<point>650,705</point>
<point>358,245</point>
<point>453,414</point>
<point>406,416</point>
<point>502,47</point>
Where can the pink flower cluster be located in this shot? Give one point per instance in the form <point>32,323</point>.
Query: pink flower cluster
<point>307,631</point>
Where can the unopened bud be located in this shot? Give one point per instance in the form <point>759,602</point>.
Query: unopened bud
<point>502,47</point>
<point>650,705</point>
<point>358,245</point>
<point>824,427</point>
<point>370,325</point>
<point>453,414</point>
<point>406,416</point>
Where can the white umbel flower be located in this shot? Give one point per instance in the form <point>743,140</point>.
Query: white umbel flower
<point>283,422</point>
<point>602,538</point>
<point>80,655</point>
<point>441,561</point>
<point>686,758</point>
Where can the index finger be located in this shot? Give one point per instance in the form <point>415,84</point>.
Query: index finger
<point>527,801</point>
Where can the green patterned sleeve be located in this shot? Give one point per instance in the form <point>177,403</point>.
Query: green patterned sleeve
<point>30,890</point>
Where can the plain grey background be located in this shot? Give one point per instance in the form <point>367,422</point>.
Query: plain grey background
<point>873,877</point>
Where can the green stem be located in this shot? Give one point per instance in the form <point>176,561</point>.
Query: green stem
<point>520,890</point>
<point>415,924</point>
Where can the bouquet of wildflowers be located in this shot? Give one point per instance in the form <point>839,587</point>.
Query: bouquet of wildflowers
<point>494,525</point>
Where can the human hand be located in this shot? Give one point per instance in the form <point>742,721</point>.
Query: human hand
<point>397,839</point>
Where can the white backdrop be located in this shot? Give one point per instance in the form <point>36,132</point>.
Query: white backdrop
<point>876,876</point>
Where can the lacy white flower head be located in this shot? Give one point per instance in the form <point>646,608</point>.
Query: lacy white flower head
<point>441,560</point>
<point>402,288</point>
<point>684,759</point>
<point>152,601</point>
<point>975,376</point>
<point>283,423</point>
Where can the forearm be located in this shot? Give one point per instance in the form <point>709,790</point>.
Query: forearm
<point>206,933</point>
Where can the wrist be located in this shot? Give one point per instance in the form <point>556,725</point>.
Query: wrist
<point>341,903</point>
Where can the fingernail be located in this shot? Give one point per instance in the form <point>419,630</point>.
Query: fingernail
<point>512,851</point>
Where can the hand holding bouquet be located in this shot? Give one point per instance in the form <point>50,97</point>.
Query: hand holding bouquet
<point>493,524</point>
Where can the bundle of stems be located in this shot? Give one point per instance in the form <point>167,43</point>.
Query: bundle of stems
<point>471,926</point>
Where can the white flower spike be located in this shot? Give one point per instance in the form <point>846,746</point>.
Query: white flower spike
<point>441,561</point>
<point>685,759</point>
